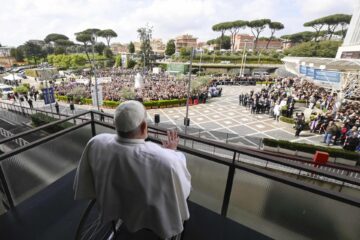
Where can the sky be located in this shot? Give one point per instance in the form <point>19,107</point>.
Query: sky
<point>22,20</point>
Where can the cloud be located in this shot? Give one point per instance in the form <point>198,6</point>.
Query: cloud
<point>21,20</point>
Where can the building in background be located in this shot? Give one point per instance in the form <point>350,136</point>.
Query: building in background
<point>246,41</point>
<point>351,46</point>
<point>274,44</point>
<point>5,51</point>
<point>118,48</point>
<point>243,41</point>
<point>156,44</point>
<point>185,41</point>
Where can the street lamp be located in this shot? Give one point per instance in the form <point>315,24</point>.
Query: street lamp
<point>186,120</point>
<point>94,71</point>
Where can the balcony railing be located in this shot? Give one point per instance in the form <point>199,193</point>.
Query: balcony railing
<point>302,202</point>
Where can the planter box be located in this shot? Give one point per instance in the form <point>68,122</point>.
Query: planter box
<point>345,161</point>
<point>271,149</point>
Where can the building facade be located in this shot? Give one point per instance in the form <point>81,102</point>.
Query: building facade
<point>246,41</point>
<point>118,48</point>
<point>185,41</point>
<point>351,46</point>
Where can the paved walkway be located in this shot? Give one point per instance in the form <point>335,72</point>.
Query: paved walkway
<point>221,119</point>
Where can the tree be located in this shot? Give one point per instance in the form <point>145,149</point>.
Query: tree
<point>300,37</point>
<point>53,37</point>
<point>108,53</point>
<point>92,32</point>
<point>326,49</point>
<point>234,27</point>
<point>107,34</point>
<point>170,47</point>
<point>274,26</point>
<point>33,51</point>
<point>256,27</point>
<point>99,48</point>
<point>222,42</point>
<point>17,53</point>
<point>220,27</point>
<point>317,24</point>
<point>131,47</point>
<point>332,22</point>
<point>145,35</point>
<point>85,39</point>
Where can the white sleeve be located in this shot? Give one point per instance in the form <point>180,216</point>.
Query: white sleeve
<point>84,187</point>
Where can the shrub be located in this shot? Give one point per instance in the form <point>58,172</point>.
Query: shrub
<point>287,120</point>
<point>39,119</point>
<point>111,104</point>
<point>308,148</point>
<point>301,101</point>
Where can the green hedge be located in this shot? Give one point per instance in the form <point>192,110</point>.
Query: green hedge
<point>114,104</point>
<point>39,119</point>
<point>308,148</point>
<point>301,101</point>
<point>287,120</point>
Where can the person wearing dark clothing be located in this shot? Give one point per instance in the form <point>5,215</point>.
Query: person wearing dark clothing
<point>352,142</point>
<point>57,108</point>
<point>30,102</point>
<point>299,124</point>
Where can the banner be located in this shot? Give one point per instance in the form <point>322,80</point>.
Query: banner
<point>310,72</point>
<point>48,94</point>
<point>302,69</point>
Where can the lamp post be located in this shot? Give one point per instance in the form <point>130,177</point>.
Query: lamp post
<point>242,67</point>
<point>94,71</point>
<point>188,92</point>
<point>200,61</point>
<point>44,76</point>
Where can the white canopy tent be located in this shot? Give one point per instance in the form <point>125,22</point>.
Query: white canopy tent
<point>12,77</point>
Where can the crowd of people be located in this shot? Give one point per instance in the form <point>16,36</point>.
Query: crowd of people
<point>155,86</point>
<point>338,121</point>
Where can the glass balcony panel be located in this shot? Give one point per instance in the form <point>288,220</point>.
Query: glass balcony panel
<point>32,170</point>
<point>208,180</point>
<point>284,212</point>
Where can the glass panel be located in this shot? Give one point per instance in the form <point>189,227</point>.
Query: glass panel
<point>42,165</point>
<point>208,180</point>
<point>284,212</point>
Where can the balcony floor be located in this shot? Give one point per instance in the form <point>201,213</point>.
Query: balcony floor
<point>53,214</point>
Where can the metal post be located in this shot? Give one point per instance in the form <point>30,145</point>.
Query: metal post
<point>6,188</point>
<point>93,130</point>
<point>228,188</point>
<point>188,90</point>
<point>94,71</point>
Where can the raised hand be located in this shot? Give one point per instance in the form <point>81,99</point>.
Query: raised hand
<point>172,140</point>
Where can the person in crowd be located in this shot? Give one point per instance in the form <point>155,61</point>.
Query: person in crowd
<point>299,124</point>
<point>57,108</point>
<point>330,132</point>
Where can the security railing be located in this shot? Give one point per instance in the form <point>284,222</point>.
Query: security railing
<point>260,198</point>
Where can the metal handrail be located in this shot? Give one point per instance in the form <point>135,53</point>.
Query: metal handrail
<point>232,164</point>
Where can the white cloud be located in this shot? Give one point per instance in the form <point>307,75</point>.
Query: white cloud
<point>21,20</point>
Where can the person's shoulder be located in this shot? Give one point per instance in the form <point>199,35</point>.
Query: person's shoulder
<point>103,137</point>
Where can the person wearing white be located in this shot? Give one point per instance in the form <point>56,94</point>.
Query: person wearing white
<point>143,184</point>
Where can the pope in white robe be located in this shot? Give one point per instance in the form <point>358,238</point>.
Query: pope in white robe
<point>143,184</point>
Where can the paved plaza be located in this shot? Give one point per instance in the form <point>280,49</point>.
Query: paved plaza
<point>223,118</point>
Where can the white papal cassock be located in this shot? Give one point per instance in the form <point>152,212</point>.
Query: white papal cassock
<point>139,182</point>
